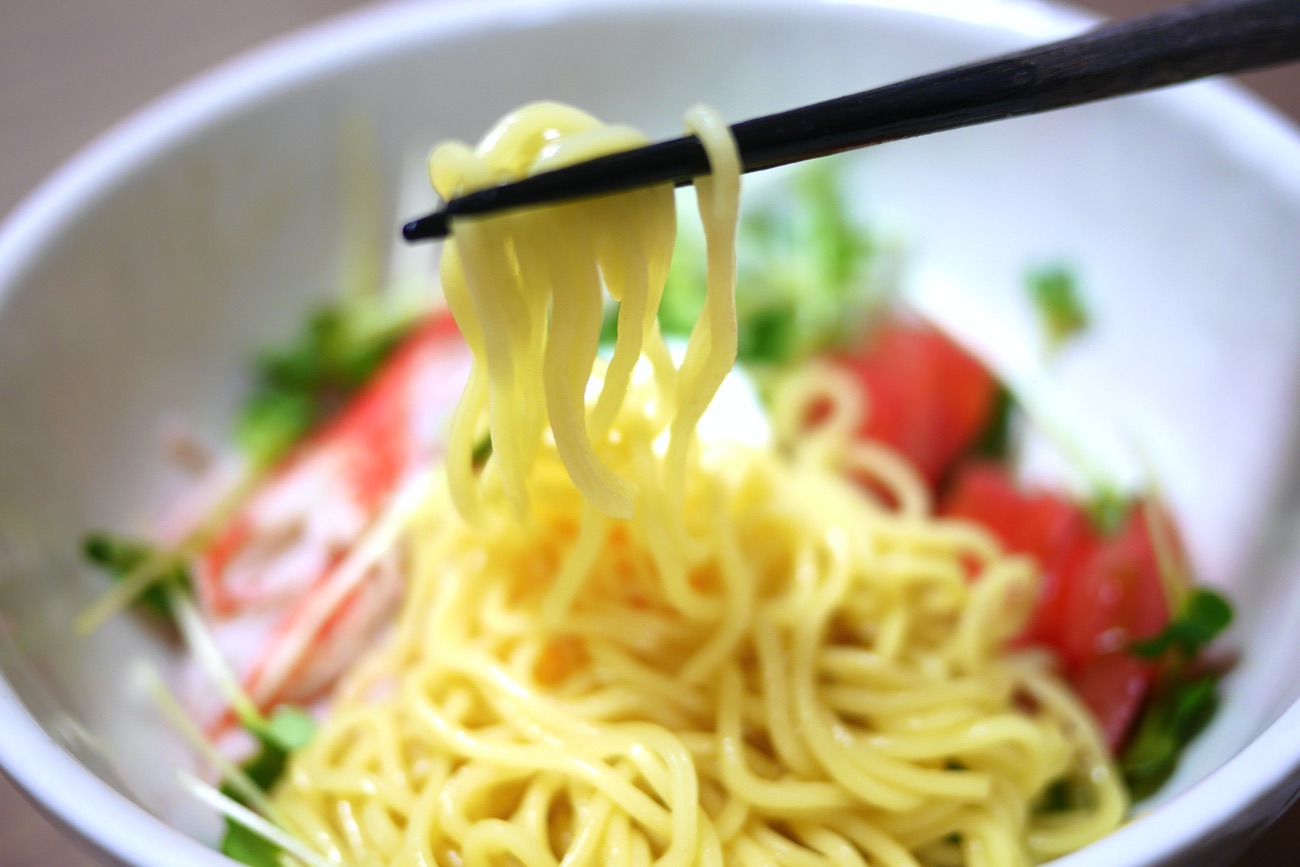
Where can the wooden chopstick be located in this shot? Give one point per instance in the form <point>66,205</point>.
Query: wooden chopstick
<point>1114,59</point>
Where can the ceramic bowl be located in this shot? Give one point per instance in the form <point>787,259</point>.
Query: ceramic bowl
<point>135,283</point>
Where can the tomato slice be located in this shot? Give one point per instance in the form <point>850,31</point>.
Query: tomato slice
<point>1100,593</point>
<point>1117,597</point>
<point>927,397</point>
<point>1047,527</point>
<point>1113,686</point>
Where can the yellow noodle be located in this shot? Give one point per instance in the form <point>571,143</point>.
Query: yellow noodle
<point>641,648</point>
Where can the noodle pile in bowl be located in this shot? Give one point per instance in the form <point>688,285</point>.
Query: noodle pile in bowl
<point>624,644</point>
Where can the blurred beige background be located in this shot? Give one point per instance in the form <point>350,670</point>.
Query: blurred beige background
<point>71,68</point>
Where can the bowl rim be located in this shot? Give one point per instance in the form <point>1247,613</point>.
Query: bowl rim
<point>70,794</point>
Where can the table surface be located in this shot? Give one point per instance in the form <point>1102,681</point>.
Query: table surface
<point>129,51</point>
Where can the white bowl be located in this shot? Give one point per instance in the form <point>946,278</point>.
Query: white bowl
<point>134,284</point>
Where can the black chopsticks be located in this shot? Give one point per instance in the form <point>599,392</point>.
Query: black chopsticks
<point>1178,45</point>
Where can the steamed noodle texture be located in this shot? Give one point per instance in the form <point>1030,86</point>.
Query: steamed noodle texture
<point>624,645</point>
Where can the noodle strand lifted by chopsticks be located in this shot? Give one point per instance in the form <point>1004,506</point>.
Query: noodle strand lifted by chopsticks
<point>527,292</point>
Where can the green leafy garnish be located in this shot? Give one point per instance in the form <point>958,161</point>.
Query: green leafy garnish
<point>482,451</point>
<point>1183,700</point>
<point>1054,291</point>
<point>299,385</point>
<point>272,420</point>
<point>120,557</point>
<point>806,276</point>
<point>287,730</point>
<point>767,336</point>
<point>1056,798</point>
<point>1065,795</point>
<point>1107,509</point>
<point>994,442</point>
<point>1175,715</point>
<point>684,292</point>
<point>609,327</point>
<point>248,847</point>
<point>1204,615</point>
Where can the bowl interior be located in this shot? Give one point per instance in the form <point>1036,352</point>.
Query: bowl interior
<point>135,287</point>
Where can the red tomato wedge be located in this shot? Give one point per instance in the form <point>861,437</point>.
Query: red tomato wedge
<point>929,400</point>
<point>1100,592</point>
<point>1117,597</point>
<point>927,397</point>
<point>1047,527</point>
<point>1113,686</point>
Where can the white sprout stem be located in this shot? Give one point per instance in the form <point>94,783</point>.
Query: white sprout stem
<point>201,645</point>
<point>238,813</point>
<point>1171,563</point>
<point>230,772</point>
<point>120,596</point>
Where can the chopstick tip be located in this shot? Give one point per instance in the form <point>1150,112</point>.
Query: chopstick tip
<point>430,227</point>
